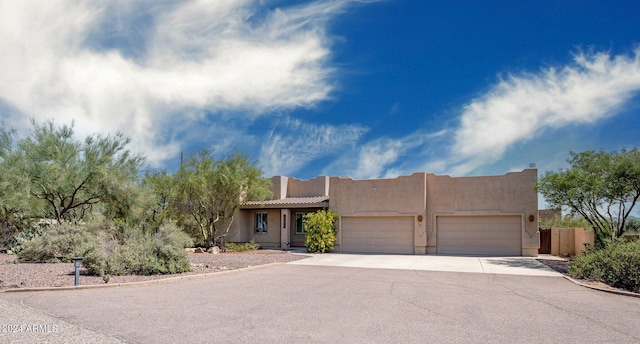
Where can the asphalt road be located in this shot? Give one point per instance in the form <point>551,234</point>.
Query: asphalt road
<point>318,304</point>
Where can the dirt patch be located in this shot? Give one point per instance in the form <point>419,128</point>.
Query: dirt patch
<point>559,265</point>
<point>14,274</point>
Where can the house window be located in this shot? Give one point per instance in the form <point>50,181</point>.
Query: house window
<point>261,223</point>
<point>300,223</point>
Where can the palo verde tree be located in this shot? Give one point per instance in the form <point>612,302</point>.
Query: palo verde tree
<point>68,178</point>
<point>602,187</point>
<point>13,198</point>
<point>210,191</point>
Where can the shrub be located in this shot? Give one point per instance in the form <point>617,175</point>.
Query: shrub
<point>617,264</point>
<point>247,246</point>
<point>113,250</point>
<point>135,252</point>
<point>320,230</point>
<point>60,242</point>
<point>15,242</point>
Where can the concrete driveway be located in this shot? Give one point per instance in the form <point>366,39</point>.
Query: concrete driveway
<point>489,265</point>
<point>295,303</point>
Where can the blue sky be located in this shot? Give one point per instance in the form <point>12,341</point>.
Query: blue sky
<point>367,89</point>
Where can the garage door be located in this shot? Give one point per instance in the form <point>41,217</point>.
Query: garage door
<point>377,234</point>
<point>484,235</point>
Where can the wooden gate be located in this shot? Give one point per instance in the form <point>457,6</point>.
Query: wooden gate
<point>545,241</point>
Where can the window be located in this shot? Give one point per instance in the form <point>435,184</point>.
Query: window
<point>261,223</point>
<point>300,223</point>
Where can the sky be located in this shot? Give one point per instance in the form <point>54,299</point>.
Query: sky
<point>359,88</point>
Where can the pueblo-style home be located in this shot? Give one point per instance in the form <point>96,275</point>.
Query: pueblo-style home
<point>418,214</point>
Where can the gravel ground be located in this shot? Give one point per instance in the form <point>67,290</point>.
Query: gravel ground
<point>33,275</point>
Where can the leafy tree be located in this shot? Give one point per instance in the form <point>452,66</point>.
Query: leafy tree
<point>13,198</point>
<point>569,220</point>
<point>160,188</point>
<point>601,187</point>
<point>210,191</point>
<point>70,177</point>
<point>320,230</point>
<point>632,226</point>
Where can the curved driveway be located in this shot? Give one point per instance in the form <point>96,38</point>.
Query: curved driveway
<point>294,303</point>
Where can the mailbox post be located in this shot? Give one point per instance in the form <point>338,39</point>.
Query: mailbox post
<point>77,262</point>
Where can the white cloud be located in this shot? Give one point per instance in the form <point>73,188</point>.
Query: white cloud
<point>383,157</point>
<point>512,113</point>
<point>293,144</point>
<point>145,67</point>
<point>523,107</point>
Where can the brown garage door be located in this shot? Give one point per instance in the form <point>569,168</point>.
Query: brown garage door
<point>377,234</point>
<point>483,235</point>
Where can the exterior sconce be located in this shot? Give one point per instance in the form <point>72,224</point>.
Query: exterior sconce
<point>419,218</point>
<point>531,218</point>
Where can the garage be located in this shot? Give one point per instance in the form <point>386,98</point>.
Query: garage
<point>482,235</point>
<point>377,234</point>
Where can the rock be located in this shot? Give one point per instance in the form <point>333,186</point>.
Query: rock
<point>190,250</point>
<point>199,250</point>
<point>214,250</point>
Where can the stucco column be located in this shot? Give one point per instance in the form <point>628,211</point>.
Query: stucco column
<point>285,222</point>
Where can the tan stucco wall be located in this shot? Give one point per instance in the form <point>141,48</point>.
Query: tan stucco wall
<point>318,186</point>
<point>510,194</point>
<point>272,238</point>
<point>583,239</point>
<point>381,197</point>
<point>279,185</point>
<point>570,241</point>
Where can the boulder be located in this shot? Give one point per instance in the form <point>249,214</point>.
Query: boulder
<point>214,250</point>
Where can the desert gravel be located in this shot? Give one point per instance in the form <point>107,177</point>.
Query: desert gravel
<point>15,274</point>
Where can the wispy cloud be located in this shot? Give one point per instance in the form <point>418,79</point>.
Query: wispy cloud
<point>150,68</point>
<point>516,110</point>
<point>522,107</point>
<point>293,143</point>
<point>382,157</point>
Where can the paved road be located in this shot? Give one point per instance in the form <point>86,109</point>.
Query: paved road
<point>319,304</point>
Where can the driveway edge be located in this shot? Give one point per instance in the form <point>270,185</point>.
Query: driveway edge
<point>142,283</point>
<point>612,291</point>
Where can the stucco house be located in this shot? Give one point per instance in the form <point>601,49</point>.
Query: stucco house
<point>422,213</point>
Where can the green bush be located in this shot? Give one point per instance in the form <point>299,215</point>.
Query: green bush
<point>247,246</point>
<point>320,230</point>
<point>15,243</point>
<point>139,253</point>
<point>113,250</point>
<point>59,242</point>
<point>617,264</point>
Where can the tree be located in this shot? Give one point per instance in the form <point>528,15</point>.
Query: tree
<point>210,191</point>
<point>160,188</point>
<point>13,199</point>
<point>602,187</point>
<point>70,177</point>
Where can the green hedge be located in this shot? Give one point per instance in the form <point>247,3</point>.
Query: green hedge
<point>617,264</point>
